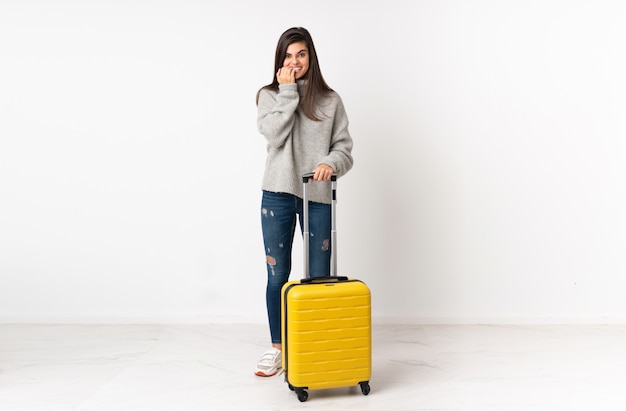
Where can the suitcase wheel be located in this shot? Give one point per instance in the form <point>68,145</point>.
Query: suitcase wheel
<point>365,387</point>
<point>302,394</point>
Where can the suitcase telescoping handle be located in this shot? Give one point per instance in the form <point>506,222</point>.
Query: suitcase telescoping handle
<point>333,230</point>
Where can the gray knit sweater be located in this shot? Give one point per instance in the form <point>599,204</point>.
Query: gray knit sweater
<point>297,144</point>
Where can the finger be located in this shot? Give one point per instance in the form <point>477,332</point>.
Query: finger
<point>327,172</point>
<point>322,175</point>
<point>319,172</point>
<point>285,75</point>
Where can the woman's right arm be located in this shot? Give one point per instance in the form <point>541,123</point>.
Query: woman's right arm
<point>276,113</point>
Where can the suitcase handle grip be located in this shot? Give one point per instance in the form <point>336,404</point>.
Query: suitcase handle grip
<point>308,176</point>
<point>332,278</point>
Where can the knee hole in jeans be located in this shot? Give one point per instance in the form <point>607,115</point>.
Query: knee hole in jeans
<point>325,245</point>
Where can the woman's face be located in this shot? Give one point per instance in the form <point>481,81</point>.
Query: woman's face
<point>297,58</point>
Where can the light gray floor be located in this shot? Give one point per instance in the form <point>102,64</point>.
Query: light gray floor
<point>210,367</point>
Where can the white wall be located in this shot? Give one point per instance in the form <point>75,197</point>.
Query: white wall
<point>489,157</point>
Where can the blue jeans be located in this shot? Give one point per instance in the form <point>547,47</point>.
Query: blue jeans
<point>278,221</point>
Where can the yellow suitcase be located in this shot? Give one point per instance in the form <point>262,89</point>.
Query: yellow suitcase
<point>326,327</point>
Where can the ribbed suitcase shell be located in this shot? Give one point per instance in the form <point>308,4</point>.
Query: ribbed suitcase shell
<point>326,334</point>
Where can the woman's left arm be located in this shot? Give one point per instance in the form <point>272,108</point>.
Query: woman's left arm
<point>340,151</point>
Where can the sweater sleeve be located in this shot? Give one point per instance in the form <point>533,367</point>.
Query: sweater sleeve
<point>276,113</point>
<point>340,153</point>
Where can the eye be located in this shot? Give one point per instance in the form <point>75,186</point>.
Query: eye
<point>302,55</point>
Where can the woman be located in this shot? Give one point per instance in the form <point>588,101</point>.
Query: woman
<point>306,128</point>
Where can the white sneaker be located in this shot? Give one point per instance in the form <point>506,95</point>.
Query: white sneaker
<point>269,363</point>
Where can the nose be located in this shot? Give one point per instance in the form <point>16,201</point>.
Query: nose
<point>294,61</point>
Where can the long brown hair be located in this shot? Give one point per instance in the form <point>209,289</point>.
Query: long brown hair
<point>316,85</point>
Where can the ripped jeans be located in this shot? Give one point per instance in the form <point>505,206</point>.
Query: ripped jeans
<point>278,221</point>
